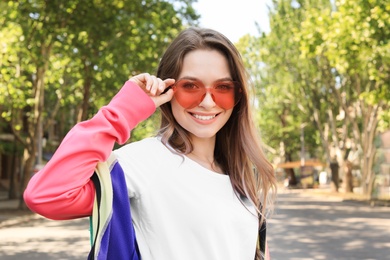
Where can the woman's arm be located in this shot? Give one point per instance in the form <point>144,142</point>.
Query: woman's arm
<point>63,189</point>
<point>267,254</point>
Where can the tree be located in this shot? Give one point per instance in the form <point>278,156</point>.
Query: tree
<point>354,47</point>
<point>64,59</point>
<point>271,60</point>
<point>333,62</point>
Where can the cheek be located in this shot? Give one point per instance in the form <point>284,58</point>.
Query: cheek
<point>174,105</point>
<point>177,110</point>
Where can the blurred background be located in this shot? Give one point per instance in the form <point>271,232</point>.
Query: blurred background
<point>320,72</point>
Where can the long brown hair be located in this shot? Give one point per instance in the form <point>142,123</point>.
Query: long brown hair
<point>238,148</point>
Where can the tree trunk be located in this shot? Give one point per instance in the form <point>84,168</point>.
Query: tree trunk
<point>368,147</point>
<point>35,123</point>
<point>290,173</point>
<point>28,165</point>
<point>348,184</point>
<point>83,113</point>
<point>12,192</point>
<point>334,167</point>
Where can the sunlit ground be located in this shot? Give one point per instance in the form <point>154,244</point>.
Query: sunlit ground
<point>307,227</point>
<point>303,227</point>
<point>57,240</point>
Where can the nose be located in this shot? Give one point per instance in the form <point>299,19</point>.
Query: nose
<point>207,100</point>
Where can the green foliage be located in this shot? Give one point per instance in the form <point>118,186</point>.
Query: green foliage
<point>83,51</point>
<point>270,60</point>
<point>355,41</point>
<point>11,148</point>
<point>326,64</point>
<point>62,60</point>
<point>146,128</point>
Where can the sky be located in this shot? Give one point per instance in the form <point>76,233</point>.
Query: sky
<point>233,18</point>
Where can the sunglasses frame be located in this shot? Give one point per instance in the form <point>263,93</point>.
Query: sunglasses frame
<point>199,95</point>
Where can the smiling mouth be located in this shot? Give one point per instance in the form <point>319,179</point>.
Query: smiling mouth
<point>204,118</point>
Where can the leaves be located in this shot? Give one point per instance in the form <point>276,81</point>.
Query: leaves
<point>62,60</point>
<point>92,44</point>
<point>327,63</point>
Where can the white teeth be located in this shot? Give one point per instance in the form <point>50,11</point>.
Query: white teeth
<point>203,117</point>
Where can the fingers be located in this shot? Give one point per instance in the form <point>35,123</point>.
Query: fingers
<point>142,80</point>
<point>158,86</point>
<point>155,87</point>
<point>151,84</point>
<point>163,98</point>
<point>169,82</point>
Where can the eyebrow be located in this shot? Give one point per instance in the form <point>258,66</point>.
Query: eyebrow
<point>196,79</point>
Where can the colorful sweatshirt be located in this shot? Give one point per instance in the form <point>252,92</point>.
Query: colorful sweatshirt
<point>56,196</point>
<point>112,231</point>
<point>179,209</point>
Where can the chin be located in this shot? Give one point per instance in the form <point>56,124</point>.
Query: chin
<point>203,135</point>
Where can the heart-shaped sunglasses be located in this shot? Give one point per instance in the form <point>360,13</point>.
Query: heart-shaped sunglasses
<point>190,93</point>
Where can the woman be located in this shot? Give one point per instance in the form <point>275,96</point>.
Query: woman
<point>197,189</point>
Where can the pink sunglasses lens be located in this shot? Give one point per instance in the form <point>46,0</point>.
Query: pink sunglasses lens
<point>190,94</point>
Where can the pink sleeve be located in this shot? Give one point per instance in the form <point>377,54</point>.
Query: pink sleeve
<point>63,189</point>
<point>267,254</point>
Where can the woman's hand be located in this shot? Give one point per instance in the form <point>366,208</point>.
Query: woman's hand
<point>154,87</point>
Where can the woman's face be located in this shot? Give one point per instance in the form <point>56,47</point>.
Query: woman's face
<point>207,68</point>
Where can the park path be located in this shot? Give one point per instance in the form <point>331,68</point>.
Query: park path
<point>309,226</point>
<point>37,238</point>
<point>303,226</point>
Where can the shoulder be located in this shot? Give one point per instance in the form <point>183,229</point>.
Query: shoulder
<point>150,142</point>
<point>144,160</point>
<point>142,150</point>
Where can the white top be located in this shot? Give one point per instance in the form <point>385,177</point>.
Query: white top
<point>183,211</point>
